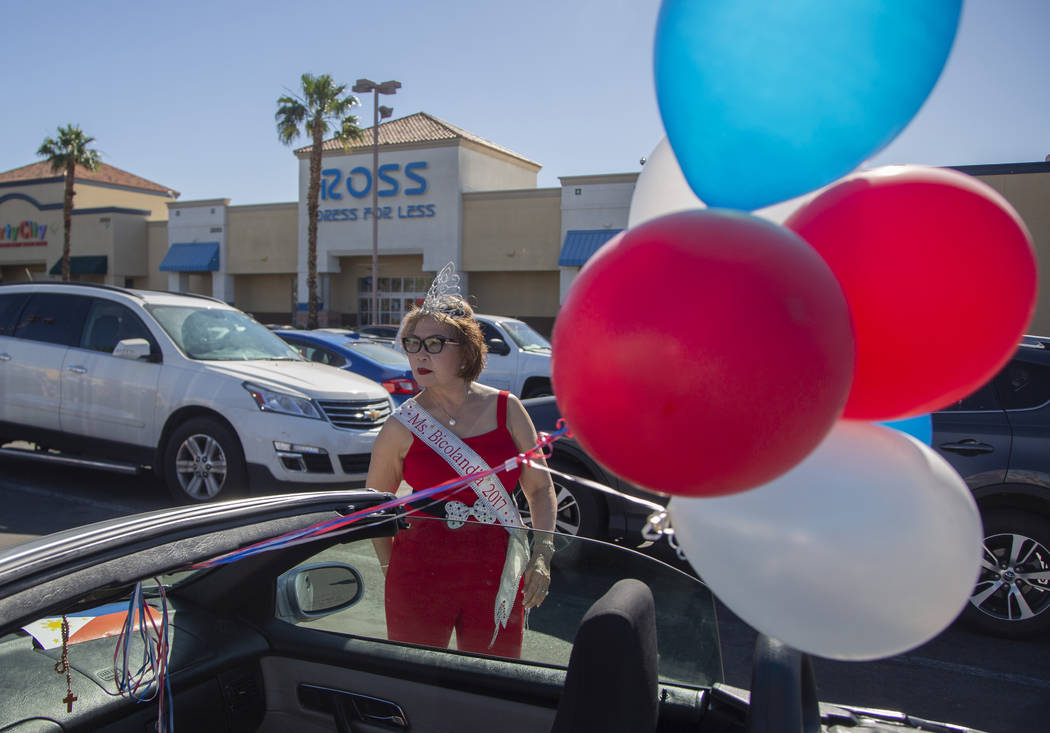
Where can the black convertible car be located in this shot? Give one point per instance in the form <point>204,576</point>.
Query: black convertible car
<point>267,614</point>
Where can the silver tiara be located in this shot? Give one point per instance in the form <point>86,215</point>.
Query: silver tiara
<point>444,295</point>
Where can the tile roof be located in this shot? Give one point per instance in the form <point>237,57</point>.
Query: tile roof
<point>104,174</point>
<point>417,128</point>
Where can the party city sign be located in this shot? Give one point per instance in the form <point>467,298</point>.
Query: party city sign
<point>25,234</point>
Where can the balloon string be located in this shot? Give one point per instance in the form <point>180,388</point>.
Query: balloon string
<point>542,449</point>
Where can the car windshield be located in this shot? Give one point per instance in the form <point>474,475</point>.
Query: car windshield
<point>526,337</point>
<point>379,353</point>
<point>220,334</point>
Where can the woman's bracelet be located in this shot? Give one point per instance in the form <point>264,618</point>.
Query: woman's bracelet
<point>544,544</point>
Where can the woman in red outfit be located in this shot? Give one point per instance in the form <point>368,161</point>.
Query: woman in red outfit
<point>444,575</point>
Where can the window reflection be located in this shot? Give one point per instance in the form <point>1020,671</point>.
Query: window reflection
<point>686,623</point>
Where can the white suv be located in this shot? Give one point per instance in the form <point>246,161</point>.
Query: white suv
<point>519,358</point>
<point>197,390</point>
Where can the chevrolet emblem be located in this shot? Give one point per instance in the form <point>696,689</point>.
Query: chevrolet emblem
<point>373,414</point>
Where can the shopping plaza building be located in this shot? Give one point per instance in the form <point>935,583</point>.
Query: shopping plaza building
<point>444,195</point>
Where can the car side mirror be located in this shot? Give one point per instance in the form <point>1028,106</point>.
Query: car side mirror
<point>314,591</point>
<point>497,346</point>
<point>132,349</point>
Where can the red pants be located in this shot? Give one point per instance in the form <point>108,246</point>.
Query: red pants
<point>442,579</point>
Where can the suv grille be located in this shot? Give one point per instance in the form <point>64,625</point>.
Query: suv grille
<point>354,462</point>
<point>356,414</point>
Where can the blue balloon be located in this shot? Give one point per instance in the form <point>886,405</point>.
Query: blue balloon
<point>765,100</point>
<point>920,426</point>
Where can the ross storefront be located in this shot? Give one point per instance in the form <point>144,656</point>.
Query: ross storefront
<point>444,194</point>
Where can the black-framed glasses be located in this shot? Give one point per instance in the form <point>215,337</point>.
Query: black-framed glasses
<point>433,344</point>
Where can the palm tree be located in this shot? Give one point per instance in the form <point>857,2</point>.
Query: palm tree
<point>66,153</point>
<point>322,106</point>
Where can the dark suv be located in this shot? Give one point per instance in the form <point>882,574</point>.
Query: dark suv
<point>998,439</point>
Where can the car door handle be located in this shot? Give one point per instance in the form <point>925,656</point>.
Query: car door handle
<point>968,447</point>
<point>351,707</point>
<point>78,369</point>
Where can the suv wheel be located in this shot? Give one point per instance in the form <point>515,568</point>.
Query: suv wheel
<point>203,459</point>
<point>1012,595</point>
<point>579,512</point>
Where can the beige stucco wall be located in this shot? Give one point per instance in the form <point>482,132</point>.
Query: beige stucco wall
<point>130,255</point>
<point>90,195</point>
<point>484,169</point>
<point>512,231</point>
<point>17,273</point>
<point>43,193</point>
<point>262,239</point>
<point>1029,193</point>
<point>200,284</point>
<point>156,249</point>
<point>266,295</point>
<point>525,295</point>
<point>91,234</point>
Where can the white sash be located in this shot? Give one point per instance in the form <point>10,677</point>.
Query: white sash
<point>489,490</point>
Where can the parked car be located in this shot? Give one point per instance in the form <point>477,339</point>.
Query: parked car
<point>380,332</point>
<point>207,618</point>
<point>348,350</point>
<point>519,358</point>
<point>998,439</point>
<point>188,386</point>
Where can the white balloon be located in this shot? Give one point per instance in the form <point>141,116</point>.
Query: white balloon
<point>868,548</point>
<point>778,213</point>
<point>661,188</point>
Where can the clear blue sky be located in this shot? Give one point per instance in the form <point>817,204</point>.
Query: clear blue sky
<point>184,93</point>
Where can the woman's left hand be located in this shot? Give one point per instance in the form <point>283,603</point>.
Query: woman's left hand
<point>537,581</point>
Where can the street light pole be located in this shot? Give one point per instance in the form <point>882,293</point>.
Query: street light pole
<point>364,86</point>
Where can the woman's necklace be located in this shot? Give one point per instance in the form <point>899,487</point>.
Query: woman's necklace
<point>451,417</point>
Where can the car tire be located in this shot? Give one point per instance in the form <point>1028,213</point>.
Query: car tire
<point>537,388</point>
<point>203,461</point>
<point>579,512</point>
<point>1007,602</point>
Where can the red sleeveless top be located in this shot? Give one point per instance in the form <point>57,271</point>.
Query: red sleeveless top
<point>425,468</point>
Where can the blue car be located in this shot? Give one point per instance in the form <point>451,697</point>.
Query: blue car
<point>364,356</point>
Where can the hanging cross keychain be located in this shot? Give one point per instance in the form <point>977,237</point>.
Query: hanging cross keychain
<point>62,666</point>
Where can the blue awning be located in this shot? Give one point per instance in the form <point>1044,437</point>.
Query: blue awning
<point>192,257</point>
<point>580,244</point>
<point>82,265</point>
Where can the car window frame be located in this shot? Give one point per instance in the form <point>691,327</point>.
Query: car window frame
<point>711,665</point>
<point>8,318</point>
<point>1001,378</point>
<point>126,311</point>
<point>69,306</point>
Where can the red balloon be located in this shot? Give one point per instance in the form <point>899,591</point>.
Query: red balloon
<point>703,353</point>
<point>940,275</point>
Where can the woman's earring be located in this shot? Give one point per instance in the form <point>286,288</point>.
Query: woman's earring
<point>462,367</point>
